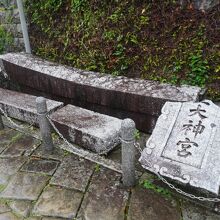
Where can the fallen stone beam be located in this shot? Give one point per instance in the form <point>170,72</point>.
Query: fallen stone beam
<point>93,131</point>
<point>117,96</point>
<point>23,106</point>
<point>76,150</point>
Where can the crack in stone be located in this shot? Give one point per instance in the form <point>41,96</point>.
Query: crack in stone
<point>84,193</point>
<point>127,205</point>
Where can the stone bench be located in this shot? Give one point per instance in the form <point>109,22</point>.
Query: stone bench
<point>121,97</point>
<point>23,106</point>
<point>93,131</point>
<point>96,132</point>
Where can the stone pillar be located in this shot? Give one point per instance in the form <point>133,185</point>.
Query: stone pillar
<point>128,152</point>
<point>1,123</point>
<point>10,23</point>
<point>44,124</point>
<point>24,26</point>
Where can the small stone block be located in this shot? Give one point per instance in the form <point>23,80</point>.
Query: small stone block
<point>38,165</point>
<point>58,202</point>
<point>6,136</point>
<point>105,198</point>
<point>56,154</point>
<point>25,186</point>
<point>4,208</point>
<point>23,106</point>
<point>35,218</point>
<point>9,216</point>
<point>192,212</point>
<point>23,145</point>
<point>9,166</point>
<point>74,173</point>
<point>21,207</point>
<point>146,204</point>
<point>51,218</point>
<point>93,131</point>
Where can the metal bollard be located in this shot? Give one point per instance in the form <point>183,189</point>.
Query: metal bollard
<point>1,123</point>
<point>128,152</point>
<point>44,124</point>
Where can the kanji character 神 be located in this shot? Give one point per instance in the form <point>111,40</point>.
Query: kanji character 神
<point>197,129</point>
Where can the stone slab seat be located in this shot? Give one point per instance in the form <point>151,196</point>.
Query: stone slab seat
<point>121,97</point>
<point>90,130</point>
<point>23,106</point>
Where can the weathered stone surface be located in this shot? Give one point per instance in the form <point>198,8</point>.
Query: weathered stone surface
<point>58,202</point>
<point>145,204</point>
<point>51,218</point>
<point>93,131</point>
<point>37,165</point>
<point>16,18</point>
<point>23,145</point>
<point>22,208</point>
<point>9,166</point>
<point>56,154</point>
<point>98,159</point>
<point>6,138</point>
<point>105,198</point>
<point>185,145</point>
<point>9,216</point>
<point>24,128</point>
<point>192,212</point>
<point>85,88</point>
<point>25,186</point>
<point>23,106</point>
<point>74,172</point>
<point>34,218</point>
<point>115,154</point>
<point>201,5</point>
<point>4,208</point>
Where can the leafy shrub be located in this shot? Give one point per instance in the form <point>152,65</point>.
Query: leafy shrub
<point>148,184</point>
<point>6,39</point>
<point>199,68</point>
<point>156,40</point>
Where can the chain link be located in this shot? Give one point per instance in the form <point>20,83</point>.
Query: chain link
<point>137,146</point>
<point>58,132</point>
<point>65,140</point>
<point>12,122</point>
<point>209,199</point>
<point>62,137</point>
<point>86,154</point>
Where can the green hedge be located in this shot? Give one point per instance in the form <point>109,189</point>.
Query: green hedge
<point>155,40</point>
<point>6,39</point>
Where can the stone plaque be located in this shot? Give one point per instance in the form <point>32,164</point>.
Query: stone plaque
<point>185,145</point>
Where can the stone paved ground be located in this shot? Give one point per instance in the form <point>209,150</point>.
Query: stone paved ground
<point>37,185</point>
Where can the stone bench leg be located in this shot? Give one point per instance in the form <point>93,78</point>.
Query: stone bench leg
<point>128,152</point>
<point>44,124</point>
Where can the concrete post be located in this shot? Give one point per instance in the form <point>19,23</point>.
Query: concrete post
<point>128,152</point>
<point>1,123</point>
<point>24,26</point>
<point>44,124</point>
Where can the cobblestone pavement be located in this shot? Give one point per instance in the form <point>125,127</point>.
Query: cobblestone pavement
<point>38,185</point>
